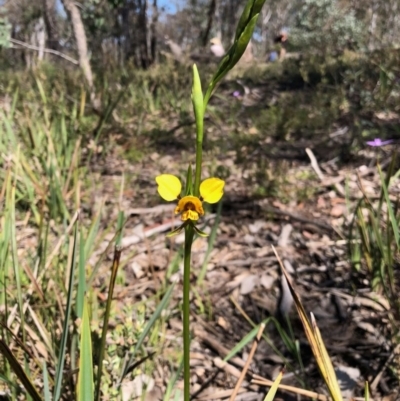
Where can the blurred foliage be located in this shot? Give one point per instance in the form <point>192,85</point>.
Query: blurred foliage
<point>374,239</point>
<point>120,32</point>
<point>327,27</point>
<point>5,32</point>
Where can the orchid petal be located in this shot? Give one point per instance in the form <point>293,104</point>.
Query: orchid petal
<point>190,215</point>
<point>176,231</point>
<point>191,208</point>
<point>199,232</point>
<point>169,187</point>
<point>211,190</point>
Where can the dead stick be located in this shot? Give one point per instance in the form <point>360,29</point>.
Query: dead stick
<point>247,365</point>
<point>36,48</point>
<point>311,394</point>
<point>314,164</point>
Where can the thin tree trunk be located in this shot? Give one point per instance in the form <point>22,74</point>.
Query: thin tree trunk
<point>266,15</point>
<point>142,34</point>
<point>153,32</point>
<point>41,38</point>
<point>210,20</point>
<point>229,19</point>
<point>50,21</point>
<point>81,43</point>
<point>126,39</point>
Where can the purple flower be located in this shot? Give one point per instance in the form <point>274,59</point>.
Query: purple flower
<point>236,94</point>
<point>379,142</point>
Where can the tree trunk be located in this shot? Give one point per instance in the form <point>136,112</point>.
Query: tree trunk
<point>266,14</point>
<point>153,32</point>
<point>125,40</point>
<point>142,34</point>
<point>81,43</point>
<point>41,38</point>
<point>50,21</point>
<point>210,19</point>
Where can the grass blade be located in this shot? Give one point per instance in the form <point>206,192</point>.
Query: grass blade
<point>63,344</point>
<point>244,341</point>
<point>19,371</point>
<point>172,382</point>
<point>80,294</point>
<point>366,392</point>
<point>46,385</point>
<point>392,216</point>
<point>272,391</point>
<point>85,388</point>
<point>315,340</point>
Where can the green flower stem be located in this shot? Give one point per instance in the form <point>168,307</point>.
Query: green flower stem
<point>199,158</point>
<point>199,109</point>
<point>197,100</point>
<point>189,234</point>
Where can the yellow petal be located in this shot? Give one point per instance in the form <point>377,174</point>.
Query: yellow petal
<point>211,190</point>
<point>169,186</point>
<point>189,215</point>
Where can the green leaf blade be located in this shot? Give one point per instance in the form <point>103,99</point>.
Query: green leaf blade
<point>85,390</point>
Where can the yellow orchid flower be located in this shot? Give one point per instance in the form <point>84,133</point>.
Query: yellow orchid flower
<point>190,207</point>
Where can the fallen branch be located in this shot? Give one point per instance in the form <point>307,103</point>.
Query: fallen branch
<point>36,48</point>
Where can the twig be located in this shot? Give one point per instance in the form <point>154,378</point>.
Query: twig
<point>264,206</point>
<point>314,164</point>
<point>245,262</point>
<point>227,367</point>
<point>147,210</point>
<point>217,346</point>
<point>205,384</point>
<point>247,365</point>
<point>378,377</point>
<point>61,241</point>
<point>301,219</point>
<point>217,395</point>
<point>311,394</point>
<point>51,51</point>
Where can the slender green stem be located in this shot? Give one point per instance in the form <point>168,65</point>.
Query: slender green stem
<point>199,157</point>
<point>115,266</point>
<point>199,109</point>
<point>189,234</point>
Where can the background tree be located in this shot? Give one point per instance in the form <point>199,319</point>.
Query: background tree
<point>327,26</point>
<point>50,19</point>
<point>114,33</point>
<point>81,42</point>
